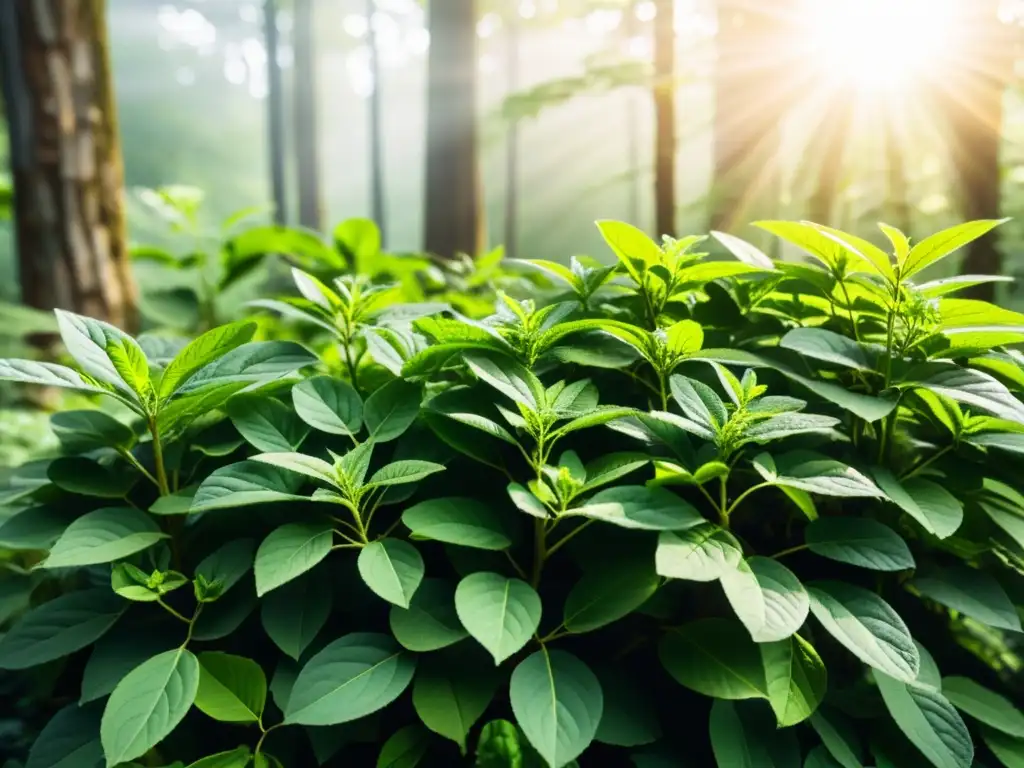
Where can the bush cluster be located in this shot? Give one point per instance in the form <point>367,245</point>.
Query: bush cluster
<point>677,511</point>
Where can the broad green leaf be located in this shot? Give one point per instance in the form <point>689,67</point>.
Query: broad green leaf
<point>825,345</point>
<point>245,483</point>
<point>148,704</point>
<point>744,251</point>
<point>69,740</point>
<point>640,507</point>
<point>451,692</point>
<point>455,520</point>
<point>1006,441</point>
<point>35,527</point>
<point>116,654</point>
<point>684,337</point>
<point>811,241</point>
<point>859,541</point>
<point>971,592</point>
<point>745,737</point>
<point>232,689</point>
<point>608,594</point>
<point>983,705</point>
<point>391,410</point>
<point>864,250</point>
<point>787,425</point>
<point>929,721</point>
<point>293,615</point>
<point>1003,505</point>
<point>702,553</point>
<point>609,468</point>
<point>601,414</point>
<point>714,657</point>
<point>795,677</point>
<point>976,389</point>
<point>766,596</point>
<point>867,626</point>
<point>350,678</point>
<point>839,739</point>
<point>1008,750</point>
<point>405,748</point>
<point>634,249</point>
<point>815,473</point>
<point>936,509</point>
<point>508,377</point>
<point>86,477</point>
<point>47,375</point>
<point>177,503</point>
<point>103,536</point>
<point>354,465</point>
<point>290,551</point>
<point>202,351</point>
<point>229,563</point>
<point>500,745</point>
<point>256,361</point>
<point>488,426</point>
<point>104,352</point>
<point>526,501</point>
<point>132,583</point>
<point>86,430</point>
<point>301,464</point>
<point>227,615</point>
<point>60,627</point>
<point>558,703</point>
<point>267,424</point>
<point>403,471</point>
<point>500,613</point>
<point>942,244</point>
<point>239,757</point>
<point>431,621</point>
<point>329,405</point>
<point>392,568</point>
<point>933,289</point>
<point>699,402</point>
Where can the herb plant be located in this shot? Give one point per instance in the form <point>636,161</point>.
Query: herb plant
<point>695,512</point>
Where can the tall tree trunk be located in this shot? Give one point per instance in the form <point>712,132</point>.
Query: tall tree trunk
<point>307,135</point>
<point>454,216</point>
<point>275,114</point>
<point>665,118</point>
<point>970,94</point>
<point>376,128</point>
<point>753,92</point>
<point>66,159</point>
<point>512,140</point>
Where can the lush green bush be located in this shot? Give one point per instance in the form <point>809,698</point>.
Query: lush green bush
<point>593,528</point>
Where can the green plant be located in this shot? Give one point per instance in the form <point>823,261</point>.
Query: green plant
<point>774,498</point>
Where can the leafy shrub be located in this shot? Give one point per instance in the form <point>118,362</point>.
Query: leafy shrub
<point>561,531</point>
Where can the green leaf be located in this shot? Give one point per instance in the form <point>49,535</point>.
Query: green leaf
<point>838,739</point>
<point>526,501</point>
<point>201,352</point>
<point>354,465</point>
<point>685,337</point>
<point>60,627</point>
<point>329,405</point>
<point>508,377</point>
<point>403,471</point>
<point>819,344</point>
<point>115,655</point>
<point>976,389</point>
<point>743,737</point>
<point>391,410</point>
<point>813,242</point>
<point>47,375</point>
<point>85,477</point>
<point>352,677</point>
<point>392,568</point>
<point>293,615</point>
<point>558,702</point>
<point>431,621</point>
<point>257,361</point>
<point>971,592</point>
<point>500,746</point>
<point>103,536</point>
<point>86,430</point>
<point>859,541</point>
<point>634,249</point>
<point>867,626</point>
<point>942,244</point>
<point>451,692</point>
<point>640,507</point>
<point>245,483</point>
<point>104,352</point>
<point>609,468</point>
<point>929,721</point>
<point>133,583</point>
<point>177,503</point>
<point>814,473</point>
<point>301,464</point>
<point>1008,750</point>
<point>795,677</point>
<point>744,251</point>
<point>931,505</point>
<point>232,689</point>
<point>34,528</point>
<point>238,757</point>
<point>267,424</point>
<point>455,520</point>
<point>1006,441</point>
<point>629,717</point>
<point>864,250</point>
<point>699,402</point>
<point>984,705</point>
<point>405,748</point>
<point>787,425</point>
<point>766,596</point>
<point>608,594</point>
<point>1003,505</point>
<point>229,563</point>
<point>148,704</point>
<point>601,414</point>
<point>500,613</point>
<point>703,553</point>
<point>68,740</point>
<point>290,551</point>
<point>714,657</point>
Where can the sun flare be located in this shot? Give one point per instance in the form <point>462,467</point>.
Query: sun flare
<point>878,44</point>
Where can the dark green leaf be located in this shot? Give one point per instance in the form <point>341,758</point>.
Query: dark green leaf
<point>392,568</point>
<point>103,536</point>
<point>971,592</point>
<point>859,541</point>
<point>391,410</point>
<point>462,521</point>
<point>290,551</point>
<point>715,657</point>
<point>431,621</point>
<point>500,613</point>
<point>329,405</point>
<point>294,614</point>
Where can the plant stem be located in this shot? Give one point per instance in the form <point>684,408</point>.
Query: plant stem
<point>539,551</point>
<point>849,309</point>
<point>266,731</point>
<point>744,495</point>
<point>921,466</point>
<point>519,570</point>
<point>791,550</point>
<point>888,428</point>
<point>723,501</point>
<point>127,456</point>
<point>158,458</point>
<point>663,392</point>
<point>561,542</point>
<point>171,611</point>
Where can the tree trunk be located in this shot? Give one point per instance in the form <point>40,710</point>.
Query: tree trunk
<point>665,118</point>
<point>970,94</point>
<point>307,135</point>
<point>512,140</point>
<point>376,128</point>
<point>66,159</point>
<point>453,201</point>
<point>275,114</point>
<point>752,96</point>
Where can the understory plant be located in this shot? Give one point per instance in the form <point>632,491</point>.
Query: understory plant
<point>742,513</point>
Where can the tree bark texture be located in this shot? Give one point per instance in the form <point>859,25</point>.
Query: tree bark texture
<point>970,94</point>
<point>306,129</point>
<point>753,91</point>
<point>66,159</point>
<point>665,118</point>
<point>275,114</point>
<point>454,210</point>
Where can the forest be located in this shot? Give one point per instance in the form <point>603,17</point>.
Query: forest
<point>511,383</point>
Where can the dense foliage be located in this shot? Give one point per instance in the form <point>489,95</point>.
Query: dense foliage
<point>591,526</point>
